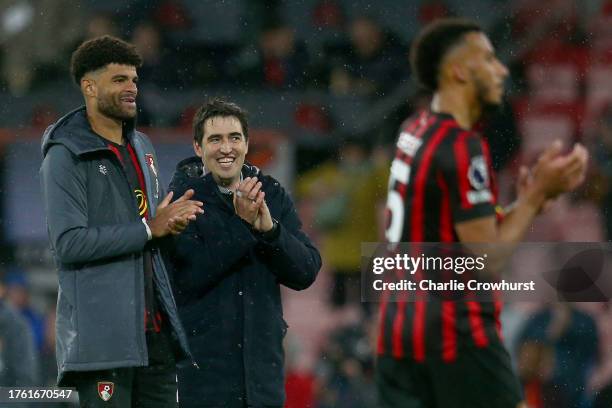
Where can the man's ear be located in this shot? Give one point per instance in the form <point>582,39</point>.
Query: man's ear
<point>459,71</point>
<point>247,147</point>
<point>88,87</point>
<point>197,149</point>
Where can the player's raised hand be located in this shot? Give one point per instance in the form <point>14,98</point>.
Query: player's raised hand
<point>576,173</point>
<point>555,173</point>
<point>172,218</point>
<point>525,183</point>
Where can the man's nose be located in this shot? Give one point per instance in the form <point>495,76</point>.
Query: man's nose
<point>504,70</point>
<point>226,147</point>
<point>132,87</point>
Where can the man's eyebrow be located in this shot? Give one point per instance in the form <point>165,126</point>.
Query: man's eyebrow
<point>219,134</point>
<point>123,76</point>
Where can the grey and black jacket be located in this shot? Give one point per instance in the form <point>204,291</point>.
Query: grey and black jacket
<point>97,239</point>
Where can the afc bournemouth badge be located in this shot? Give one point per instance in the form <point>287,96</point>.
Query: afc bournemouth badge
<point>105,390</point>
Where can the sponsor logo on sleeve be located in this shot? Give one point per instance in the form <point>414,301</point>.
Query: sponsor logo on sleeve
<point>408,143</point>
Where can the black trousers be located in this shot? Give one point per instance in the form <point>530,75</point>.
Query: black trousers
<point>153,386</point>
<point>479,378</point>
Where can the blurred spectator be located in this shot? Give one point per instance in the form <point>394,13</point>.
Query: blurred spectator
<point>157,62</point>
<point>566,341</point>
<point>18,358</point>
<point>346,193</point>
<point>544,32</point>
<point>328,14</point>
<point>36,38</point>
<point>374,62</point>
<point>299,387</point>
<point>48,362</point>
<point>157,68</point>
<point>17,293</point>
<point>431,10</point>
<point>278,61</point>
<point>148,42</point>
<point>346,370</point>
<point>535,369</point>
<point>300,381</point>
<point>101,24</point>
<point>172,15</point>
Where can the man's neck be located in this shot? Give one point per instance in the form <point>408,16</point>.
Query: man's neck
<point>230,185</point>
<point>109,128</point>
<point>457,103</point>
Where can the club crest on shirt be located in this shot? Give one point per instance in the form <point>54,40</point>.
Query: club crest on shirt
<point>105,390</point>
<point>478,175</point>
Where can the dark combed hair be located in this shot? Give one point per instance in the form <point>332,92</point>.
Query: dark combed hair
<point>431,46</point>
<point>218,107</point>
<point>99,52</point>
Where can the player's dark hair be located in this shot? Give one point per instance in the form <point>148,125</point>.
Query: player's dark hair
<point>99,52</point>
<point>431,46</point>
<point>218,107</point>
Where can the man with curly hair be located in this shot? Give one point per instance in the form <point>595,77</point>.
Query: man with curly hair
<point>118,330</point>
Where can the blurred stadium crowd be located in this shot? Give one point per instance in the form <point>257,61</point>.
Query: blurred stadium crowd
<point>332,78</point>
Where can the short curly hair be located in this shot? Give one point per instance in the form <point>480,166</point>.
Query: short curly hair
<point>431,46</point>
<point>218,107</point>
<point>99,52</point>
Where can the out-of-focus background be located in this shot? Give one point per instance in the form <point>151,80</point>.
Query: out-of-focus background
<point>327,84</point>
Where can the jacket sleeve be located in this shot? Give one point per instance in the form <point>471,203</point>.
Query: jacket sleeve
<point>294,259</point>
<point>207,251</point>
<point>64,190</point>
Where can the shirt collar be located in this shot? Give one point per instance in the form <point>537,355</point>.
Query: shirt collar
<point>225,190</point>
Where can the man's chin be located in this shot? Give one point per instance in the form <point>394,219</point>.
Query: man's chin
<point>130,114</point>
<point>225,175</point>
<point>121,115</point>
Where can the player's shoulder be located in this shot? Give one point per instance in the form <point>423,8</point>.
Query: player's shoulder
<point>423,123</point>
<point>457,144</point>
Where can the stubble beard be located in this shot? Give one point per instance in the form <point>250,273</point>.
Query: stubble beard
<point>109,108</point>
<point>487,107</point>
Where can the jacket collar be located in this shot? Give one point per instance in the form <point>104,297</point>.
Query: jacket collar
<point>75,133</point>
<point>190,173</point>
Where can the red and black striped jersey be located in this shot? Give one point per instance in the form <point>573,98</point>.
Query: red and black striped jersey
<point>441,175</point>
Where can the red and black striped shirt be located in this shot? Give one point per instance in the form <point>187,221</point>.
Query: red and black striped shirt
<point>441,175</point>
<point>135,177</point>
